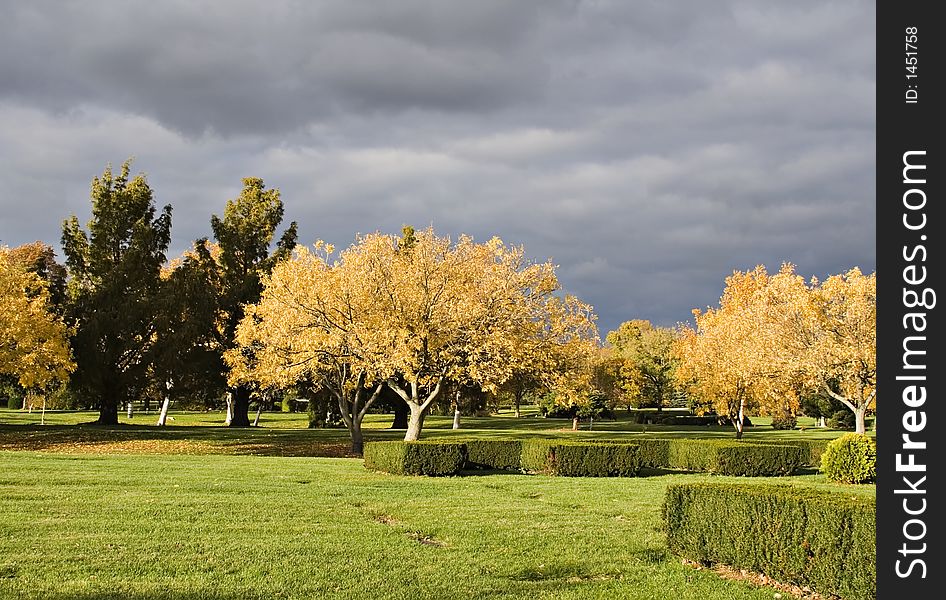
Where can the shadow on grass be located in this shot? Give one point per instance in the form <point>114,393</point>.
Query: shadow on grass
<point>490,472</point>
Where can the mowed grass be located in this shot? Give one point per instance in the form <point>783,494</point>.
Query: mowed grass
<point>287,434</point>
<point>139,527</point>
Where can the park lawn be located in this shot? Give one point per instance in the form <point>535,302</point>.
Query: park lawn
<point>286,434</point>
<point>140,527</point>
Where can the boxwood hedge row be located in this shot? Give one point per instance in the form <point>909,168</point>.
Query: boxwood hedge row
<point>816,538</point>
<point>416,458</point>
<point>585,458</point>
<point>722,457</point>
<point>580,459</point>
<point>813,448</point>
<point>494,454</point>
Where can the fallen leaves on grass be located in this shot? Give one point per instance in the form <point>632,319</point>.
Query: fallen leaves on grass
<point>96,442</point>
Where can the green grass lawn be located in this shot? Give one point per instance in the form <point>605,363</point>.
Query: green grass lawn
<point>286,434</point>
<point>141,527</point>
<point>198,510</point>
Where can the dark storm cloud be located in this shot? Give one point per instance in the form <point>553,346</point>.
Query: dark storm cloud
<point>649,148</point>
<point>238,67</point>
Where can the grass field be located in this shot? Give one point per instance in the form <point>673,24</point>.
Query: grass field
<point>196,510</point>
<point>286,434</point>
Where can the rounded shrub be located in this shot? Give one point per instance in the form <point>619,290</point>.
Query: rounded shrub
<point>851,458</point>
<point>841,419</point>
<point>784,421</point>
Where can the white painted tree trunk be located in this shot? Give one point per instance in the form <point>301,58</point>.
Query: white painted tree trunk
<point>42,419</point>
<point>131,410</point>
<point>163,419</point>
<point>575,424</point>
<point>259,409</point>
<point>456,419</point>
<point>860,415</point>
<point>229,408</point>
<point>821,422</point>
<point>739,419</point>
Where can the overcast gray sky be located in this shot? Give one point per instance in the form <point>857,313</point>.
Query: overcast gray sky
<point>649,148</point>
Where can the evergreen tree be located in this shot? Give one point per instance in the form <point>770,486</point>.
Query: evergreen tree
<point>114,285</point>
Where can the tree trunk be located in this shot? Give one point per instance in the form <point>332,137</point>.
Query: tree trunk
<point>229,409</point>
<point>518,398</point>
<point>821,422</point>
<point>131,409</point>
<point>859,419</point>
<point>357,438</point>
<point>108,410</point>
<point>147,405</point>
<point>259,409</point>
<point>163,419</point>
<point>575,424</point>
<point>415,422</point>
<point>401,413</point>
<point>738,420</point>
<point>241,407</point>
<point>456,419</point>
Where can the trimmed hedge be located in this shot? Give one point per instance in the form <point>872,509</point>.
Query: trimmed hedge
<point>813,449</point>
<point>822,539</point>
<point>580,459</point>
<point>729,457</point>
<point>589,459</point>
<point>416,458</point>
<point>494,454</point>
<point>722,457</point>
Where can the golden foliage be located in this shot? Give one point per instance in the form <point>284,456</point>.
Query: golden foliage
<point>414,315</point>
<point>773,336</point>
<point>34,344</point>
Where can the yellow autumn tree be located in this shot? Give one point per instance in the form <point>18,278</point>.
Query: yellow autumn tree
<point>726,361</point>
<point>414,313</point>
<point>836,342</point>
<point>311,324</point>
<point>556,353</point>
<point>647,365</point>
<point>774,337</point>
<point>34,346</point>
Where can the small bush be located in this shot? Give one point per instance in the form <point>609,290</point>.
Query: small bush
<point>851,458</point>
<point>784,421</point>
<point>842,419</point>
<point>581,459</point>
<point>494,454</point>
<point>415,458</point>
<point>822,539</point>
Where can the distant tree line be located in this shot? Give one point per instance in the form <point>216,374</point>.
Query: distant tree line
<point>409,322</point>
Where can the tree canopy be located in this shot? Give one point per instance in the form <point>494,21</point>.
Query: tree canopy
<point>34,346</point>
<point>414,313</point>
<point>114,270</point>
<point>245,235</point>
<point>775,339</point>
<point>647,364</point>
